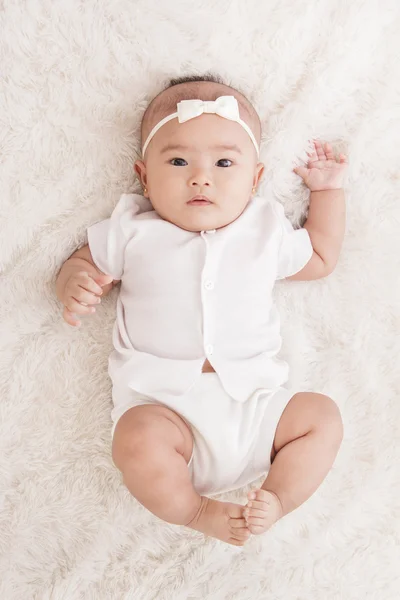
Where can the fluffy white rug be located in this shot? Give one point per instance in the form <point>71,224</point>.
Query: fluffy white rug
<point>75,79</point>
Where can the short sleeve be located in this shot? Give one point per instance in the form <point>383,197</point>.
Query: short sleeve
<point>295,247</point>
<point>108,239</point>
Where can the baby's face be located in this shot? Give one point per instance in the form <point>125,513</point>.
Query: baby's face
<point>208,156</point>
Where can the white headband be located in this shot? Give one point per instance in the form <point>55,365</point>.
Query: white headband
<point>224,106</point>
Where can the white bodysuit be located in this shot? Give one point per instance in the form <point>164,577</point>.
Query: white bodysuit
<point>186,297</point>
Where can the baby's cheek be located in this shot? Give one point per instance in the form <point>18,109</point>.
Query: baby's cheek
<point>168,206</point>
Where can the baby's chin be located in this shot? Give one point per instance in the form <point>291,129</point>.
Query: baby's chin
<point>201,219</point>
<point>196,225</point>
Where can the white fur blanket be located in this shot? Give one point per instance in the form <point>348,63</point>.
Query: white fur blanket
<point>75,78</point>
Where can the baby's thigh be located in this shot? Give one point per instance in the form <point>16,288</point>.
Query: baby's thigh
<point>308,411</point>
<point>150,428</point>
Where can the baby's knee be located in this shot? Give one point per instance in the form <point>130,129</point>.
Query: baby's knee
<point>329,419</point>
<point>136,445</point>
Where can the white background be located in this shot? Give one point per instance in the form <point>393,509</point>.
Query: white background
<point>75,79</point>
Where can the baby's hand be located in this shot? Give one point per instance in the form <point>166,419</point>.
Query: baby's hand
<point>323,171</point>
<point>81,291</point>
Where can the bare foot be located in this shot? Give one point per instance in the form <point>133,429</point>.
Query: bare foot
<point>221,520</point>
<point>262,510</point>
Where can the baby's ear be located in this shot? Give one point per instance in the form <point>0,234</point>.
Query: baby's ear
<point>140,169</point>
<point>259,173</point>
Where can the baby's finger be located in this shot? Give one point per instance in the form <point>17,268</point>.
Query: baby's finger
<point>330,155</point>
<point>71,318</point>
<point>76,307</point>
<point>87,282</point>
<point>82,295</point>
<point>320,150</point>
<point>301,171</point>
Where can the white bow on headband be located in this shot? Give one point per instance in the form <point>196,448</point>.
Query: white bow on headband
<point>224,106</point>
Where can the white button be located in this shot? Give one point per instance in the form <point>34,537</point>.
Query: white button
<point>209,349</point>
<point>209,285</point>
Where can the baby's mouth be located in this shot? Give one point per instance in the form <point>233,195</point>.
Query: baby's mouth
<point>199,201</point>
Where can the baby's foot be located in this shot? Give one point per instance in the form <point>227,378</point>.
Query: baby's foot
<point>222,520</point>
<point>262,511</point>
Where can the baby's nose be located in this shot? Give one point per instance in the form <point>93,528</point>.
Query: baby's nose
<point>200,179</point>
<point>199,182</point>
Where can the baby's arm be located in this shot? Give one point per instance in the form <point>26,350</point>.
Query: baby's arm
<point>326,227</point>
<point>80,284</point>
<point>327,212</point>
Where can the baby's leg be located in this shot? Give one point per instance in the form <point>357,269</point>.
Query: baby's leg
<point>306,443</point>
<point>152,446</point>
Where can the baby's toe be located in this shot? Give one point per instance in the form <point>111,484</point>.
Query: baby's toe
<point>262,512</point>
<point>237,523</point>
<point>239,529</point>
<point>240,534</point>
<point>271,502</point>
<point>254,520</point>
<point>257,529</point>
<point>234,511</point>
<point>236,542</point>
<point>267,496</point>
<point>264,496</point>
<point>255,512</point>
<point>259,505</point>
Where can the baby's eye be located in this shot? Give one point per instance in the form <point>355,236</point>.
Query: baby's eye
<point>224,160</point>
<point>178,159</point>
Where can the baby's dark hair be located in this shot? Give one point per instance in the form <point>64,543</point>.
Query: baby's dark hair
<point>194,78</point>
<point>192,86</point>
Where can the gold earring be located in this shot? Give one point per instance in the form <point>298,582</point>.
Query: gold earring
<point>254,190</point>
<point>145,190</point>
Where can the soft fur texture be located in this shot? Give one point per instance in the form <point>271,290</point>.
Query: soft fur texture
<point>75,79</point>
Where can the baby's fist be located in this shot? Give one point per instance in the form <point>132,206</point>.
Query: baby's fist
<point>82,292</point>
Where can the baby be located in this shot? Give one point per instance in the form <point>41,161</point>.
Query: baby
<point>200,403</point>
